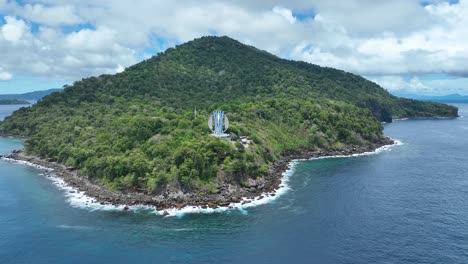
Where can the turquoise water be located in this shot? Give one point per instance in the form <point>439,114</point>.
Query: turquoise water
<point>406,205</point>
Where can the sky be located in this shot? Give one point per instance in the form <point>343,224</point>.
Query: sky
<point>406,46</point>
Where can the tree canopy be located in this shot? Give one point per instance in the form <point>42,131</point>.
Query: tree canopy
<point>138,130</point>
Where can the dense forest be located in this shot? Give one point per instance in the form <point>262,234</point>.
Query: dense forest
<point>139,129</point>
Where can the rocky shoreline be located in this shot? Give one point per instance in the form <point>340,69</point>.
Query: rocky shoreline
<point>229,195</point>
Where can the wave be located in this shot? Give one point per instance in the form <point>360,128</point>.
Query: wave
<point>183,229</point>
<point>75,227</point>
<point>376,151</point>
<point>79,199</point>
<point>241,206</point>
<point>28,164</point>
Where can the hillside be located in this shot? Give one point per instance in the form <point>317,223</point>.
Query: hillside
<point>137,130</point>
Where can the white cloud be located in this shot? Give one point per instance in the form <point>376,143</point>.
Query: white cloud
<point>51,53</point>
<point>286,13</point>
<point>53,15</point>
<point>13,30</point>
<point>418,85</point>
<point>367,37</point>
<point>88,39</point>
<point>4,5</point>
<point>119,69</point>
<point>5,76</point>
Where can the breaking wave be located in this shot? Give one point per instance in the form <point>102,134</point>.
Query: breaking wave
<point>79,199</point>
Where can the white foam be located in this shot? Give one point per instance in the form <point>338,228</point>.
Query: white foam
<point>240,206</point>
<point>27,163</point>
<point>74,197</point>
<point>75,227</point>
<point>376,151</point>
<point>79,199</point>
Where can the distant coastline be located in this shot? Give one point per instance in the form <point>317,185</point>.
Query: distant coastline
<point>450,98</point>
<point>13,102</point>
<point>229,196</point>
<point>31,96</point>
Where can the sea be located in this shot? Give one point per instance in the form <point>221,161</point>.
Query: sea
<point>6,110</point>
<point>406,204</point>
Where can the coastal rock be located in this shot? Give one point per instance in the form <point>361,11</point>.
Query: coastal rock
<point>235,199</point>
<point>180,205</point>
<point>212,205</point>
<point>173,197</point>
<point>221,203</point>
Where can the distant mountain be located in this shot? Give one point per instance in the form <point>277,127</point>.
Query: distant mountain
<point>36,95</point>
<point>450,98</point>
<point>13,102</point>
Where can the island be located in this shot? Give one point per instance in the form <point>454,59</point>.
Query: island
<point>13,102</point>
<point>141,136</point>
<point>32,96</point>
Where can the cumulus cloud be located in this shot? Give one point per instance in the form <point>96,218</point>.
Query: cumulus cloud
<point>395,83</point>
<point>5,76</point>
<point>432,85</point>
<point>367,37</point>
<point>53,15</point>
<point>286,13</point>
<point>13,30</point>
<point>50,52</point>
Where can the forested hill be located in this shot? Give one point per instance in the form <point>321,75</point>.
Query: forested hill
<point>219,69</point>
<point>201,70</point>
<point>138,129</point>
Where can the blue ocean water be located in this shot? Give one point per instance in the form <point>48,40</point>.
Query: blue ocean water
<point>406,205</point>
<point>6,110</point>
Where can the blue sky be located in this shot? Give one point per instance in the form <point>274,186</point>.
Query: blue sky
<point>407,46</point>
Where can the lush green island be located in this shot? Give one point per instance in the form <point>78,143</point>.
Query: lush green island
<point>13,102</point>
<point>144,131</point>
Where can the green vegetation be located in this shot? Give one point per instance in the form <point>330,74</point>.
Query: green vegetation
<point>138,130</point>
<point>13,102</point>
